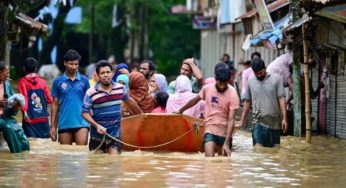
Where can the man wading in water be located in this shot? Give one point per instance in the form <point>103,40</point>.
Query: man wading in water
<point>68,91</point>
<point>221,102</point>
<point>102,109</point>
<point>266,94</point>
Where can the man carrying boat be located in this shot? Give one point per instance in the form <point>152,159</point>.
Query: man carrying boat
<point>102,109</point>
<point>222,102</point>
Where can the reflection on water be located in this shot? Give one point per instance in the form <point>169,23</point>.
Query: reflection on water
<point>322,164</point>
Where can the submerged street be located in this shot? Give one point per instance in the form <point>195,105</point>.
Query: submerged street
<point>296,163</point>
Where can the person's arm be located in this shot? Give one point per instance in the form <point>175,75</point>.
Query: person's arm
<point>231,121</point>
<point>47,94</point>
<point>100,129</point>
<point>195,70</point>
<point>22,90</point>
<point>189,104</point>
<point>282,103</point>
<point>130,103</point>
<point>244,114</point>
<point>54,119</point>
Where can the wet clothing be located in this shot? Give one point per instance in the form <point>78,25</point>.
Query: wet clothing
<point>71,130</point>
<point>95,142</point>
<point>139,91</point>
<point>37,97</point>
<point>106,108</point>
<point>217,108</point>
<point>183,93</point>
<point>265,97</point>
<point>218,140</point>
<point>265,136</point>
<point>13,133</point>
<point>70,94</point>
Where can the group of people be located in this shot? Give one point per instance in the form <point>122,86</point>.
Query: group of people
<point>80,105</point>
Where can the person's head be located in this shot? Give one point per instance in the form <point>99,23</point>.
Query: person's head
<point>186,69</point>
<point>247,63</point>
<point>123,79</point>
<point>183,84</point>
<point>255,55</point>
<point>222,76</point>
<point>30,65</point>
<point>147,68</point>
<point>158,82</point>
<point>71,61</point>
<point>4,72</point>
<point>104,72</point>
<point>259,68</point>
<point>225,58</point>
<point>161,98</point>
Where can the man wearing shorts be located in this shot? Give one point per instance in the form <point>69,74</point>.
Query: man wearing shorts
<point>266,94</point>
<point>221,102</point>
<point>68,91</point>
<point>102,109</point>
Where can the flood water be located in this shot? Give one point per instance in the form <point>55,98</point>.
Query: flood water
<point>294,164</point>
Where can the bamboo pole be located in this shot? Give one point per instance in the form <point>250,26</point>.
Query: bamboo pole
<point>307,86</point>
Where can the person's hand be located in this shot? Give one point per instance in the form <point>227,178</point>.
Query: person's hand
<point>226,151</point>
<point>101,130</point>
<point>284,126</point>
<point>27,119</point>
<point>53,134</point>
<point>189,61</point>
<point>15,104</point>
<point>3,103</point>
<point>239,124</point>
<point>178,112</point>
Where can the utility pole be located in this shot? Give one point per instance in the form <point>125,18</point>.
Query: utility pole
<point>296,74</point>
<point>3,30</point>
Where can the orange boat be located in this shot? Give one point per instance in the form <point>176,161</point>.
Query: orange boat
<point>162,132</point>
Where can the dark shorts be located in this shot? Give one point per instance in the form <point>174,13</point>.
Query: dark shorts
<point>265,136</point>
<point>71,130</point>
<point>218,140</point>
<point>95,142</point>
<point>36,130</point>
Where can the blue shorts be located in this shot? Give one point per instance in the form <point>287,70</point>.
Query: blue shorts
<point>265,136</point>
<point>218,140</point>
<point>36,130</point>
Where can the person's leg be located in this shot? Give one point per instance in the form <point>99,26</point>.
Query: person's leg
<point>66,138</point>
<point>81,136</point>
<point>275,138</point>
<point>258,135</point>
<point>209,149</point>
<point>113,150</point>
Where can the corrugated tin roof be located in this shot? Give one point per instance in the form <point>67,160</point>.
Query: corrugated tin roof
<point>271,7</point>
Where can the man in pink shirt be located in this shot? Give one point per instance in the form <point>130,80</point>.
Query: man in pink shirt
<point>245,77</point>
<point>221,102</point>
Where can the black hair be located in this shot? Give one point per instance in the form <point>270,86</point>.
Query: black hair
<point>72,55</point>
<point>161,98</point>
<point>222,72</point>
<point>2,66</point>
<point>257,65</point>
<point>30,65</point>
<point>255,54</point>
<point>103,63</point>
<point>150,63</point>
<point>227,55</point>
<point>248,62</point>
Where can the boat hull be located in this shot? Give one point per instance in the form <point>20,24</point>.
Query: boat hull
<point>149,130</point>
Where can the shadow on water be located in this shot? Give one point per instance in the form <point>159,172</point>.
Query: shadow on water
<point>295,163</point>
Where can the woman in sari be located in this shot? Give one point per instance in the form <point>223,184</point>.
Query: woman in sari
<point>183,93</point>
<point>157,83</point>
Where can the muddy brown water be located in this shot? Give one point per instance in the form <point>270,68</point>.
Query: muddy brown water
<point>294,164</point>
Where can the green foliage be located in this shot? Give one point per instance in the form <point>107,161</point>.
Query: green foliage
<point>171,37</point>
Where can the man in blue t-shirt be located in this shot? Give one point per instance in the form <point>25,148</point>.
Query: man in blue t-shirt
<point>68,92</point>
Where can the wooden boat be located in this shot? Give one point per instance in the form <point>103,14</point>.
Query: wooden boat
<point>149,130</point>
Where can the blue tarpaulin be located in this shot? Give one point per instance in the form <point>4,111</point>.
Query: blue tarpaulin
<point>272,36</point>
